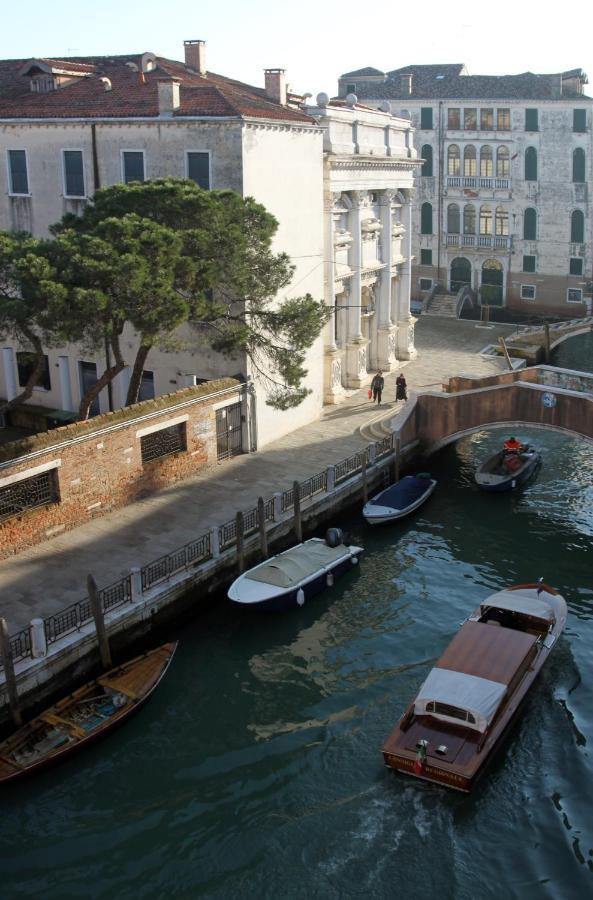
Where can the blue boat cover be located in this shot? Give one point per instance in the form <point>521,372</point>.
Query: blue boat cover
<point>403,493</point>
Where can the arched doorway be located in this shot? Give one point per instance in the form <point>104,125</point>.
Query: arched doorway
<point>461,273</point>
<point>492,279</point>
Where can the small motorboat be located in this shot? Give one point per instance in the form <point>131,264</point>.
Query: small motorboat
<point>467,704</point>
<point>505,471</point>
<point>400,499</point>
<point>294,576</point>
<point>83,717</point>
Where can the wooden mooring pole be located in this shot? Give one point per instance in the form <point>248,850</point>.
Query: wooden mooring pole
<point>298,522</point>
<point>13,697</point>
<point>398,446</point>
<point>240,532</point>
<point>99,618</point>
<point>261,521</point>
<point>547,343</point>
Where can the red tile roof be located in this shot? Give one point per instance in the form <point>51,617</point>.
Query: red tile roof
<point>132,93</point>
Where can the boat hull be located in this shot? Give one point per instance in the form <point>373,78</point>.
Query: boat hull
<point>500,484</point>
<point>377,514</point>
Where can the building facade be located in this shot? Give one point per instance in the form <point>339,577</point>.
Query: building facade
<point>503,200</point>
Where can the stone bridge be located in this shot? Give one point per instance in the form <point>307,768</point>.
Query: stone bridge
<point>543,396</point>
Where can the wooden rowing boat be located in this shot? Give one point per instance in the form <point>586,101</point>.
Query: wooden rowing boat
<point>83,717</point>
<point>467,704</point>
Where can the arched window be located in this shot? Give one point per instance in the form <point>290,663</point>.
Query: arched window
<point>501,221</point>
<point>453,166</point>
<point>530,225</point>
<point>578,166</point>
<point>427,157</point>
<point>470,166</point>
<point>503,166</point>
<point>469,219</point>
<point>531,164</point>
<point>426,218</point>
<point>453,218</point>
<point>577,227</point>
<point>485,220</point>
<point>486,165</point>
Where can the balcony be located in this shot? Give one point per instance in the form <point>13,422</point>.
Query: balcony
<point>480,241</point>
<point>476,183</point>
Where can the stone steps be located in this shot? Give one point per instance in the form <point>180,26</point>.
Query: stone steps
<point>443,305</point>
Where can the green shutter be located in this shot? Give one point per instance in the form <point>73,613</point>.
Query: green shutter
<point>531,123</point>
<point>579,120</point>
<point>530,225</point>
<point>577,227</point>
<point>578,166</point>
<point>576,265</point>
<point>426,118</point>
<point>529,263</point>
<point>426,218</point>
<point>531,164</point>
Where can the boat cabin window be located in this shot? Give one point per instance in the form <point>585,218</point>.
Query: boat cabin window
<point>508,618</point>
<point>452,712</point>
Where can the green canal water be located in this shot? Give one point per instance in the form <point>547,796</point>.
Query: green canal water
<point>256,772</point>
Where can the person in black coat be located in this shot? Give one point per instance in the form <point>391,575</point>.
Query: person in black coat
<point>377,385</point>
<point>401,388</point>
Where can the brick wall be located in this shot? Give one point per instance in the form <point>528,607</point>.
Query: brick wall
<point>98,464</point>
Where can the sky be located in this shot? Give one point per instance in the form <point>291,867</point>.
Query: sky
<point>314,40</point>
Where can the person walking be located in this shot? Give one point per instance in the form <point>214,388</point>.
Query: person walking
<point>377,385</point>
<point>401,387</point>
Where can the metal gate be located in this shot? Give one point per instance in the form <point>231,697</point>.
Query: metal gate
<point>229,431</point>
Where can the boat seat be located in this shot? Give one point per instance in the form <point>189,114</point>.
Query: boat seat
<point>53,719</point>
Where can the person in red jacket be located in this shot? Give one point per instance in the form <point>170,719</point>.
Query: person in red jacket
<point>512,445</point>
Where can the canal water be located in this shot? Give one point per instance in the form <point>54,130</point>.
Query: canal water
<point>256,772</point>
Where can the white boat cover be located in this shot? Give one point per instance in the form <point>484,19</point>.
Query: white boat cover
<point>478,696</point>
<point>299,563</point>
<point>526,601</point>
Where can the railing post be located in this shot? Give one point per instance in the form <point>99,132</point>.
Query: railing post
<point>239,531</point>
<point>261,521</point>
<point>397,455</point>
<point>38,639</point>
<point>214,543</point>
<point>372,453</point>
<point>363,472</point>
<point>298,523</point>
<point>136,583</point>
<point>331,479</point>
<point>99,622</point>
<point>13,698</point>
<point>277,506</point>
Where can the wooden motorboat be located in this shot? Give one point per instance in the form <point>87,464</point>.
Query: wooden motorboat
<point>83,717</point>
<point>294,576</point>
<point>506,471</point>
<point>400,499</point>
<point>466,705</point>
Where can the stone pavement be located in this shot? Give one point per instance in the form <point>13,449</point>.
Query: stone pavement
<point>45,579</point>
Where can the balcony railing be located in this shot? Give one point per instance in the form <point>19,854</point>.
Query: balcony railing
<point>475,182</point>
<point>485,241</point>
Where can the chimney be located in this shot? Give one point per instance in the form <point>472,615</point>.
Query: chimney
<point>168,96</point>
<point>406,83</point>
<point>195,56</point>
<point>276,85</point>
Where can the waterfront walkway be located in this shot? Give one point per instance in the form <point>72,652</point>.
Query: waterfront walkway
<point>45,579</point>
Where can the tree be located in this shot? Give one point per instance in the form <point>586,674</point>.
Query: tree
<point>31,299</point>
<point>226,276</point>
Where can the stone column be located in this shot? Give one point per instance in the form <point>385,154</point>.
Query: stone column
<point>405,320</point>
<point>356,346</point>
<point>386,330</point>
<point>333,390</point>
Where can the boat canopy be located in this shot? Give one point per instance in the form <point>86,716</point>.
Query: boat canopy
<point>478,698</point>
<point>404,492</point>
<point>297,564</point>
<point>528,602</point>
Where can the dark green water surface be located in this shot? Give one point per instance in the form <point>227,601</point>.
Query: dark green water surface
<point>256,772</point>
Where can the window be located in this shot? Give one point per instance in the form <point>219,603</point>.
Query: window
<point>486,165</point>
<point>470,119</point>
<point>530,225</point>
<point>73,173</point>
<point>453,160</point>
<point>146,391</point>
<point>453,218</point>
<point>503,164</point>
<point>576,266</point>
<point>426,218</point>
<point>531,123</point>
<point>578,166</point>
<point>486,119</point>
<point>25,363</point>
<point>427,160</point>
<point>469,219</point>
<point>87,372</point>
<point>426,117</point>
<point>452,712</point>
<point>426,257</point>
<point>470,166</point>
<point>198,168</point>
<point>577,227</point>
<point>351,88</point>
<point>17,498</point>
<point>531,164</point>
<point>425,284</point>
<point>579,120</point>
<point>133,165</point>
<point>163,442</point>
<point>501,221</point>
<point>453,118</point>
<point>574,295</point>
<point>529,263</point>
<point>527,292</point>
<point>485,220</point>
<point>503,119</point>
<point>17,172</point>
